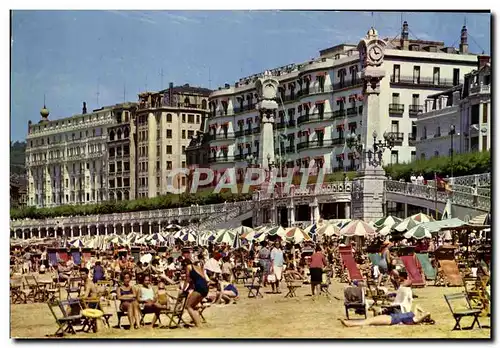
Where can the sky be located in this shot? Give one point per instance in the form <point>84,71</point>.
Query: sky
<point>103,56</point>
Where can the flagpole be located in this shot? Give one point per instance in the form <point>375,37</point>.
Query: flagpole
<point>435,196</point>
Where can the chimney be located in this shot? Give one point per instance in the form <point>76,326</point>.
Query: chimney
<point>404,37</point>
<point>171,94</point>
<point>464,47</point>
<point>482,60</point>
<point>84,109</point>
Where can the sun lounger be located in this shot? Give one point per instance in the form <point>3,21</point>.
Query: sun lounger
<point>448,272</point>
<point>425,262</point>
<point>350,264</point>
<point>412,265</point>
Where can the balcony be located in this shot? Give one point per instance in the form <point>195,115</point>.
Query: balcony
<point>256,130</point>
<point>239,133</point>
<point>346,84</point>
<point>248,131</point>
<point>221,159</point>
<point>477,89</point>
<point>239,157</point>
<point>437,135</point>
<point>290,149</point>
<point>423,138</point>
<point>399,137</point>
<point>291,123</point>
<point>412,138</point>
<point>245,108</point>
<point>314,117</point>
<point>280,125</point>
<point>353,111</point>
<point>396,109</point>
<point>414,110</point>
<point>339,114</point>
<point>313,144</point>
<point>223,136</point>
<point>338,141</point>
<point>422,82</point>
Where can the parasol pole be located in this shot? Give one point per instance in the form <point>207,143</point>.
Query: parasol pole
<point>435,196</point>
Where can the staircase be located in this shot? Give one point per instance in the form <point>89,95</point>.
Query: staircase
<point>224,217</point>
<point>478,220</point>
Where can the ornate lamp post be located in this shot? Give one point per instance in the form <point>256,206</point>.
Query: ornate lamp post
<point>375,154</point>
<point>451,133</point>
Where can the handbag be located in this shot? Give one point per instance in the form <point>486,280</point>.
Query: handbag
<point>271,278</point>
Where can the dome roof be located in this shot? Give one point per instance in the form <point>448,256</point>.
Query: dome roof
<point>44,112</point>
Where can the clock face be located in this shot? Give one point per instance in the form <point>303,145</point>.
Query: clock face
<point>269,91</point>
<point>375,53</point>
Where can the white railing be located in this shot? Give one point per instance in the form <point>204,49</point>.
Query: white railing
<point>429,193</point>
<point>479,180</point>
<point>329,188</point>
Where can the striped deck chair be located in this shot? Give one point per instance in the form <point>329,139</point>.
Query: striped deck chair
<point>350,264</point>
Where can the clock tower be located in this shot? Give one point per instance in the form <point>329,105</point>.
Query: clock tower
<point>368,187</point>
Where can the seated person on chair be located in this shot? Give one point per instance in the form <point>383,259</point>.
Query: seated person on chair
<point>147,298</point>
<point>128,303</point>
<point>418,316</point>
<point>293,273</point>
<point>63,271</point>
<point>98,272</point>
<point>226,291</point>
<point>89,288</point>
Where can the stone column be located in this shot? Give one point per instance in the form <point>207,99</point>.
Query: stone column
<point>347,210</point>
<point>31,233</point>
<point>406,210</point>
<point>106,229</point>
<point>368,188</point>
<point>266,88</point>
<point>72,231</point>
<point>140,227</point>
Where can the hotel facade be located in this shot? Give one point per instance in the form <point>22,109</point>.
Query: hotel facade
<point>320,102</point>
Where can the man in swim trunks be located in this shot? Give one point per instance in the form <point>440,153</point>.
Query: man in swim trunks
<point>411,318</point>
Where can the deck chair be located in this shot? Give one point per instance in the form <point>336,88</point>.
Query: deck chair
<point>476,291</point>
<point>354,298</point>
<point>65,323</point>
<point>255,285</point>
<point>105,288</point>
<point>378,295</point>
<point>448,272</point>
<point>292,285</point>
<point>17,293</point>
<point>175,314</point>
<point>412,265</point>
<point>119,313</point>
<point>37,292</point>
<point>350,264</point>
<point>242,274</point>
<point>462,311</point>
<point>425,262</point>
<point>96,304</point>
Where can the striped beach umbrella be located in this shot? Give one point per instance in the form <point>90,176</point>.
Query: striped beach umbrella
<point>296,235</point>
<point>358,228</point>
<point>226,236</point>
<point>328,230</point>
<point>418,232</point>
<point>276,231</point>
<point>387,221</point>
<point>421,217</point>
<point>243,230</point>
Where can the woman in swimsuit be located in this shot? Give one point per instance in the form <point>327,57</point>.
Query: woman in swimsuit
<point>195,279</point>
<point>128,304</point>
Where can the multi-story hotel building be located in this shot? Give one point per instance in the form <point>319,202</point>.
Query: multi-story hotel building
<point>67,159</point>
<point>320,101</point>
<point>162,128</point>
<point>458,119</point>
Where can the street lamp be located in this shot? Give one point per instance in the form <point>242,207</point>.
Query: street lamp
<point>251,159</point>
<point>353,141</point>
<point>452,133</point>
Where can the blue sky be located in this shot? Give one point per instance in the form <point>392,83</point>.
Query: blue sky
<point>68,54</point>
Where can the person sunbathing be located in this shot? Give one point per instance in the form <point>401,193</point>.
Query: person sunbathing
<point>128,304</point>
<point>418,316</point>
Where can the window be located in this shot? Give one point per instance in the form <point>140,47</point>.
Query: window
<point>485,113</point>
<point>169,165</point>
<point>436,153</point>
<point>413,155</point>
<point>396,72</point>
<point>183,134</point>
<point>183,149</point>
<point>395,98</point>
<point>474,117</point>
<point>413,129</point>
<point>395,127</point>
<point>416,74</point>
<point>425,133</point>
<point>119,166</point>
<point>111,167</point>
<point>191,133</point>
<point>157,165</point>
<point>126,166</point>
<point>485,143</point>
<point>112,183</point>
<point>197,118</point>
<point>183,118</point>
<point>422,156</point>
<point>169,134</point>
<point>456,77</point>
<point>169,118</point>
<point>415,99</point>
<point>157,134</point>
<point>435,76</point>
<point>438,131</point>
<point>394,157</point>
<point>157,150</point>
<point>126,182</point>
<point>169,149</point>
<point>112,152</point>
<point>157,181</point>
<point>183,164</point>
<point>190,118</point>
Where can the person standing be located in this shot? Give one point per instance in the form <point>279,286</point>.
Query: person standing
<point>277,261</point>
<point>318,262</point>
<point>265,261</point>
<point>197,280</point>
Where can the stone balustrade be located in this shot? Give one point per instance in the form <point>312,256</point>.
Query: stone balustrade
<point>329,188</point>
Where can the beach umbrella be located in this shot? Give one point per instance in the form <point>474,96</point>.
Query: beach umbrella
<point>328,230</point>
<point>237,242</point>
<point>241,230</point>
<point>296,235</point>
<point>188,236</point>
<point>421,217</point>
<point>77,243</point>
<point>343,223</point>
<point>406,225</point>
<point>157,237</point>
<point>387,221</point>
<point>276,231</point>
<point>311,229</point>
<point>173,227</point>
<point>384,230</point>
<point>418,232</point>
<point>226,236</point>
<point>260,237</point>
<point>357,228</point>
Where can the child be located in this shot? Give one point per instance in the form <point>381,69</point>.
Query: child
<point>163,296</point>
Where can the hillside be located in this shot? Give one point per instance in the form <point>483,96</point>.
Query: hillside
<point>17,161</point>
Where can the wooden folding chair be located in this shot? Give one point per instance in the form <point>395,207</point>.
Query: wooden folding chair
<point>292,285</point>
<point>242,274</point>
<point>74,286</point>
<point>96,304</point>
<point>64,322</point>
<point>35,293</point>
<point>463,311</point>
<point>255,285</point>
<point>175,314</point>
<point>119,313</point>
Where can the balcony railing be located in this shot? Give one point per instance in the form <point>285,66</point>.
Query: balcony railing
<point>399,137</point>
<point>248,131</point>
<point>346,84</point>
<point>314,117</point>
<point>290,149</point>
<point>221,136</point>
<point>256,130</point>
<point>338,141</point>
<point>221,159</point>
<point>239,157</point>
<point>353,111</point>
<point>245,108</point>
<point>291,123</point>
<point>339,113</point>
<point>311,144</point>
<point>424,82</point>
<point>280,125</point>
<point>413,110</point>
<point>396,109</point>
<point>412,138</point>
<point>239,133</point>
<point>437,135</point>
